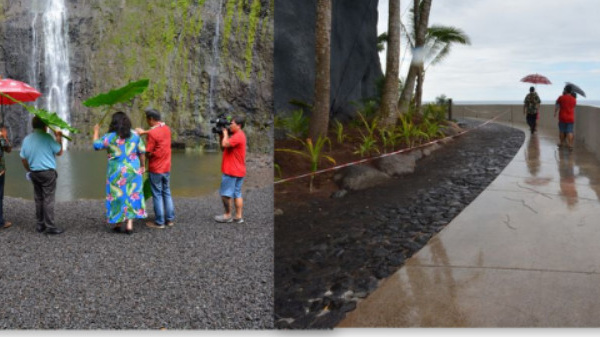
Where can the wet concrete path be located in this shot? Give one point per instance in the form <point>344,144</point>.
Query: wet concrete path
<point>524,253</point>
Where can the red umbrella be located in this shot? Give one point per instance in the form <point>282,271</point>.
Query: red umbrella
<point>18,90</point>
<point>536,79</point>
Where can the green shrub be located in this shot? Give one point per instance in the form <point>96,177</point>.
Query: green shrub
<point>368,146</point>
<point>409,131</point>
<point>442,100</point>
<point>431,128</point>
<point>367,109</point>
<point>389,138</point>
<point>314,152</point>
<point>338,128</point>
<point>368,140</point>
<point>434,112</point>
<point>301,105</point>
<point>296,125</point>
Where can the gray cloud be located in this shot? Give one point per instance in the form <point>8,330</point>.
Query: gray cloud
<point>510,39</point>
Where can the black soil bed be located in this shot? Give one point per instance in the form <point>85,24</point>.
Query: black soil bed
<point>329,253</point>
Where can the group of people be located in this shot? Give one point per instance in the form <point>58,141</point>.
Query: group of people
<point>564,108</point>
<point>127,157</point>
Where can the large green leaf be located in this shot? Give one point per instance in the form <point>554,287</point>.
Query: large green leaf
<point>120,95</point>
<point>51,119</point>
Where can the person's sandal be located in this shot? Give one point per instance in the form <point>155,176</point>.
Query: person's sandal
<point>223,219</point>
<point>153,224</point>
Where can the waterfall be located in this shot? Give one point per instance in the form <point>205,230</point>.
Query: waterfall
<point>57,72</point>
<point>214,70</point>
<point>33,79</point>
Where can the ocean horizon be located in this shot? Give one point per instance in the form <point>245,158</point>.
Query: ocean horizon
<point>581,102</point>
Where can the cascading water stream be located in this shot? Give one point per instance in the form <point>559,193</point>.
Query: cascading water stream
<point>215,66</point>
<point>33,79</point>
<point>213,71</point>
<point>57,73</point>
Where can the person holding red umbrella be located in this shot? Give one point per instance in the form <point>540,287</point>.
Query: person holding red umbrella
<point>11,92</point>
<point>531,108</point>
<point>5,147</point>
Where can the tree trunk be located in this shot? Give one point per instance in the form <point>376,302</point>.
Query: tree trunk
<point>389,99</point>
<point>421,18</point>
<point>407,91</point>
<point>419,92</point>
<point>319,120</point>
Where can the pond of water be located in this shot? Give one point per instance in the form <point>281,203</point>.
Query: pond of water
<point>82,175</point>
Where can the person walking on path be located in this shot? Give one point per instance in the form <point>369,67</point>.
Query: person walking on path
<point>565,107</point>
<point>38,156</point>
<point>5,147</point>
<point>531,108</point>
<point>126,164</point>
<point>158,152</point>
<point>233,167</point>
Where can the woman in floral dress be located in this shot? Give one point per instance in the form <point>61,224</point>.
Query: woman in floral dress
<point>124,184</point>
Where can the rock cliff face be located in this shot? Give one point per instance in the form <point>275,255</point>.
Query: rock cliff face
<point>355,65</point>
<point>172,43</point>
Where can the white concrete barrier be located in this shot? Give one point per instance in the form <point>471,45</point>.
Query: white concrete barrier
<point>587,120</point>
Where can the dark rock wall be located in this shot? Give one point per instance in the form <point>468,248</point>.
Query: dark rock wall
<point>355,65</point>
<point>112,42</point>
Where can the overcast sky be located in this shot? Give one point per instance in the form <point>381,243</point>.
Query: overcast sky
<point>511,39</point>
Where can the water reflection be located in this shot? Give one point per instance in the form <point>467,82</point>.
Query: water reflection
<point>82,175</point>
<point>566,170</point>
<point>441,278</point>
<point>532,155</point>
<point>534,162</point>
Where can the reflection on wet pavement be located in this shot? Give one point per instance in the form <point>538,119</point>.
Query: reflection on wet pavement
<point>525,253</point>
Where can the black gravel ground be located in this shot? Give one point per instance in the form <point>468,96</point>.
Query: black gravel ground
<point>197,275</point>
<point>331,253</point>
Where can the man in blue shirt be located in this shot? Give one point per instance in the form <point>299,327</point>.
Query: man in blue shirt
<point>38,155</point>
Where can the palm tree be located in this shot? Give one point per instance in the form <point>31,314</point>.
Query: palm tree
<point>389,99</point>
<point>319,121</point>
<point>439,40</point>
<point>421,9</point>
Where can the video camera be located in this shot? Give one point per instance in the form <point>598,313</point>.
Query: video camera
<point>221,122</point>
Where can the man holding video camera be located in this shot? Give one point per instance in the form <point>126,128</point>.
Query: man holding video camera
<point>233,167</point>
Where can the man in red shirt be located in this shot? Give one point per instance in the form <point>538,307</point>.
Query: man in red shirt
<point>565,107</point>
<point>233,167</point>
<point>158,152</point>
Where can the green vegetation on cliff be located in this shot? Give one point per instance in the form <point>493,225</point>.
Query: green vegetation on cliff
<point>252,24</point>
<point>170,42</point>
<point>227,25</point>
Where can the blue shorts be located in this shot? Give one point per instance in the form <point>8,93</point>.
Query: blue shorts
<point>565,127</point>
<point>231,186</point>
